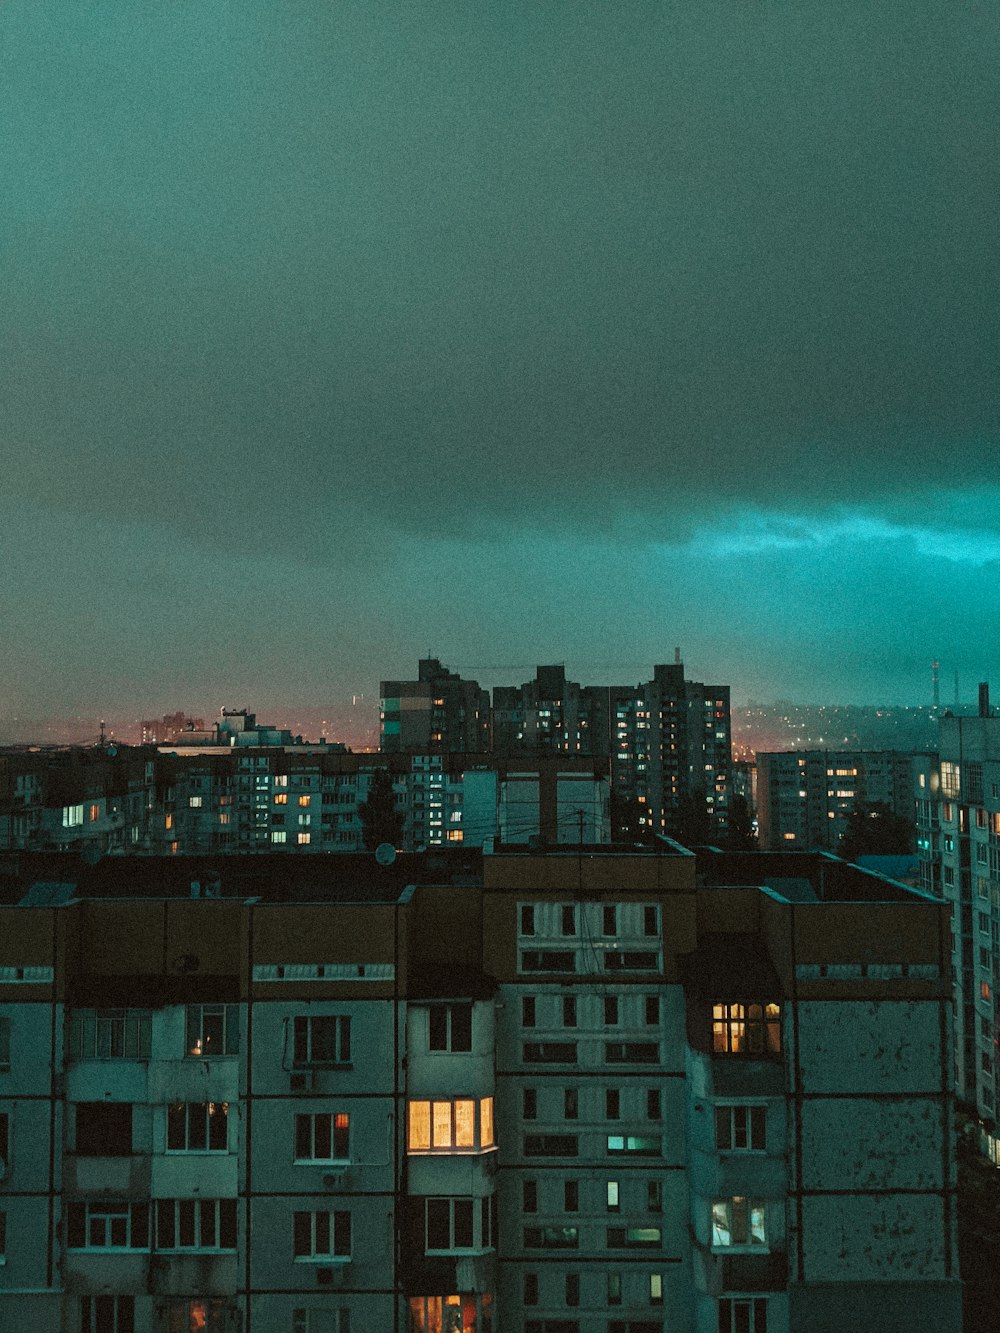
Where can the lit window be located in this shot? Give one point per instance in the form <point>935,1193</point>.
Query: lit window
<point>435,1314</point>
<point>72,816</point>
<point>281,798</point>
<point>212,1029</point>
<point>281,779</point>
<point>196,1224</point>
<point>636,1144</point>
<point>305,800</point>
<point>321,1236</point>
<point>656,1288</point>
<point>738,1224</point>
<point>279,835</point>
<point>195,802</point>
<point>323,1137</point>
<point>168,822</point>
<point>746,1029</point>
<point>94,813</point>
<point>448,1126</point>
<point>304,838</point>
<point>198,1127</point>
<point>614,1196</point>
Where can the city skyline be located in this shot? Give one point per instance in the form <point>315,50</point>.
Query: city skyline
<point>525,335</point>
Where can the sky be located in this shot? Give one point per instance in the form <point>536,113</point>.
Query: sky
<point>334,335</point>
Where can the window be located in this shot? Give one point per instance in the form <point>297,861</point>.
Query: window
<point>107,1314</point>
<point>72,816</point>
<point>322,1235</point>
<point>448,1224</point>
<point>737,1224</point>
<point>609,919</point>
<point>571,1196</point>
<point>614,1288</point>
<point>207,1314</point>
<point>323,1041</point>
<point>196,1224</point>
<point>740,1128</point>
<point>198,1127</point>
<point>212,1029</point>
<point>635,1144</point>
<point>465,1313</point>
<point>613,1196</point>
<point>572,1289</point>
<point>653,1108</point>
<point>527,920</point>
<point>103,1129</point>
<point>611,1011</point>
<point>551,1238</point>
<point>551,1145</point>
<point>656,1288</point>
<point>107,1225</point>
<point>548,960</point>
<point>527,1011</point>
<point>279,835</point>
<point>567,919</point>
<point>531,1288</point>
<point>109,1034</point>
<point>651,1006</point>
<point>549,1053</point>
<point>628,1238</point>
<point>569,1011</point>
<point>305,800</point>
<point>654,1196</point>
<point>447,1126</point>
<point>4,1043</point>
<point>571,1104</point>
<point>449,1027</point>
<point>743,1314</point>
<point>746,1029</point>
<point>650,920</point>
<point>303,838</point>
<point>631,960</point>
<point>612,1104</point>
<point>323,1137</point>
<point>529,1196</point>
<point>281,798</point>
<point>631,1052</point>
<point>635,1326</point>
<point>529,1103</point>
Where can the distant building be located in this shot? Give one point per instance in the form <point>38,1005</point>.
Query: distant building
<point>667,741</point>
<point>438,713</point>
<point>804,797</point>
<point>169,727</point>
<point>579,1090</point>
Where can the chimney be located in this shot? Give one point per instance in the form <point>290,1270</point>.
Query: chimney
<point>984,698</point>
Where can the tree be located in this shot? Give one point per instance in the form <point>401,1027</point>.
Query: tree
<point>741,836</point>
<point>874,829</point>
<point>380,820</point>
<point>694,823</point>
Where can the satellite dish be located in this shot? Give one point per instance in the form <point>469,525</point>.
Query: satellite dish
<point>385,853</point>
<point>112,750</point>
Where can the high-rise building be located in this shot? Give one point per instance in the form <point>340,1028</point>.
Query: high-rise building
<point>439,712</point>
<point>804,797</point>
<point>958,840</point>
<point>592,1090</point>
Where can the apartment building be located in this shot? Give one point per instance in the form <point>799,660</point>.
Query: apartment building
<point>804,797</point>
<point>668,740</point>
<point>438,713</point>
<point>958,841</point>
<point>578,1090</point>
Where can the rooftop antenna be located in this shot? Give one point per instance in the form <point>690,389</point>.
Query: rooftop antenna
<point>103,734</point>
<point>936,685</point>
<point>677,657</point>
<point>956,687</point>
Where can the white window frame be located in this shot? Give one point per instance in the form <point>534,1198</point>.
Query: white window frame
<point>735,1228</point>
<point>326,1229</point>
<point>314,1119</point>
<point>180,1208</point>
<point>484,1127</point>
<point>210,1113</point>
<point>304,1029</point>
<point>739,1119</point>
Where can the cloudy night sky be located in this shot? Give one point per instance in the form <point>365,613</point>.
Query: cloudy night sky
<point>334,332</point>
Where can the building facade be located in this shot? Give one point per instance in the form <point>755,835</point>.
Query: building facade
<point>586,1090</point>
<point>804,797</point>
<point>438,713</point>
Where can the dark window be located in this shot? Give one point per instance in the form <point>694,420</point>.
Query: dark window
<point>571,1196</point>
<point>531,1288</point>
<point>529,1106</point>
<point>612,1104</point>
<point>103,1129</point>
<point>107,1314</point>
<point>551,1145</point>
<point>652,1010</point>
<point>325,1040</point>
<point>551,1238</point>
<point>653,1110</point>
<point>572,1288</point>
<point>631,1052</point>
<point>527,1011</point>
<point>527,920</point>
<point>650,921</point>
<point>568,920</point>
<point>611,1010</point>
<point>550,1052</point>
<point>529,1196</point>
<point>569,1011</point>
<point>609,922</point>
<point>548,960</point>
<point>571,1104</point>
<point>450,1027</point>
<point>630,960</point>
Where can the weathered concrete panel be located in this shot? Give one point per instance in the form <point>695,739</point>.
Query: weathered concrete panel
<point>864,1144</point>
<point>873,1238</point>
<point>869,1046</point>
